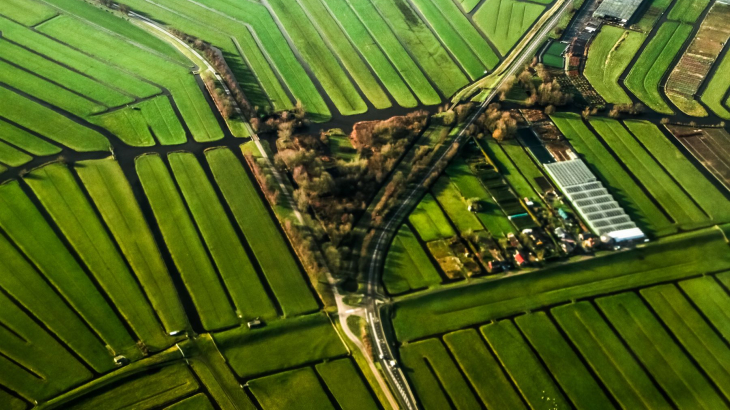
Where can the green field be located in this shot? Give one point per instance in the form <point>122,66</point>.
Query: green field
<point>346,385</point>
<point>659,354</point>
<point>113,197</point>
<point>296,389</point>
<point>652,14</point>
<point>706,195</point>
<point>714,94</point>
<point>649,173</point>
<point>280,345</point>
<point>451,201</point>
<point>469,185</point>
<point>633,199</point>
<point>609,55</point>
<point>711,299</point>
<point>434,376</point>
<point>57,190</point>
<point>407,266</point>
<point>646,74</point>
<point>26,13</point>
<point>703,251</point>
<point>506,21</point>
<point>263,235</point>
<point>429,220</point>
<point>687,11</point>
<point>197,402</point>
<point>184,244</point>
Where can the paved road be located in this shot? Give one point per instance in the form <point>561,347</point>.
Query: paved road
<point>393,372</point>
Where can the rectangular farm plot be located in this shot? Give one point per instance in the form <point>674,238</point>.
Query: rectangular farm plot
<point>506,21</point>
<point>56,188</point>
<point>13,157</point>
<point>652,176</point>
<point>422,44</point>
<point>263,235</point>
<point>710,146</point>
<point>712,300</point>
<point>23,223</point>
<point>693,332</point>
<point>622,186</point>
<point>114,199</point>
<point>142,124</point>
<point>687,11</point>
<point>482,370</point>
<point>435,377</point>
<point>197,402</point>
<point>523,367</point>
<point>702,191</point>
<point>715,93</point>
<point>144,390</point>
<point>407,267</point>
<point>609,55</point>
<point>281,344</point>
<point>27,347</point>
<point>296,390</point>
<point>562,362</point>
<point>27,13</point>
<point>604,352</point>
<point>429,220</point>
<point>455,205</point>
<point>185,245</point>
<point>661,356</point>
<point>346,384</point>
<point>234,266</point>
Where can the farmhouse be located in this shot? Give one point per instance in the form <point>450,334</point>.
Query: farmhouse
<point>619,11</point>
<point>594,203</point>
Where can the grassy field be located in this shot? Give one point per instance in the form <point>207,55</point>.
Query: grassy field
<point>523,366</point>
<point>714,94</point>
<point>282,344</point>
<point>469,185</point>
<point>346,385</point>
<point>141,124</point>
<point>434,376</point>
<point>113,197</point>
<point>420,42</point>
<point>451,201</point>
<point>26,13</point>
<point>649,173</point>
<point>324,64</point>
<point>29,345</point>
<point>407,266</point>
<point>224,246</point>
<point>23,223</point>
<point>624,189</point>
<point>709,198</point>
<point>184,244</point>
<point>562,362</point>
<point>459,35</point>
<point>55,187</point>
<point>510,171</point>
<point>609,358</point>
<point>482,370</point>
<point>506,21</point>
<point>269,246</point>
<point>13,157</point>
<point>711,299</point>
<point>687,11</point>
<point>692,331</point>
<point>659,354</point>
<point>646,74</point>
<point>157,388</point>
<point>198,402</point>
<point>371,52</point>
<point>703,251</point>
<point>396,51</point>
<point>652,14</point>
<point>608,56</point>
<point>429,220</point>
<point>468,5</point>
<point>333,35</point>
<point>296,389</point>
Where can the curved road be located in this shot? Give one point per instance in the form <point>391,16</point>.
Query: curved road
<point>394,374</point>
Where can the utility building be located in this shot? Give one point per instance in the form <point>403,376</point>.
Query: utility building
<point>603,215</point>
<point>619,11</point>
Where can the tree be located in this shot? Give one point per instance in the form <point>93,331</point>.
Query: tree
<point>549,110</point>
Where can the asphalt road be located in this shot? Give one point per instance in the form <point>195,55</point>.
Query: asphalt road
<point>393,372</point>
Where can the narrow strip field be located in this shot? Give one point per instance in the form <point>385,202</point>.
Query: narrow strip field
<point>455,206</point>
<point>608,57</point>
<point>185,245</point>
<point>407,267</point>
<point>296,389</point>
<point>712,300</point>
<point>715,95</point>
<point>506,21</point>
<point>347,386</point>
<point>429,220</point>
<point>269,246</point>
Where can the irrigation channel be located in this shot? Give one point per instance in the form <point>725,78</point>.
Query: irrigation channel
<point>387,360</point>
